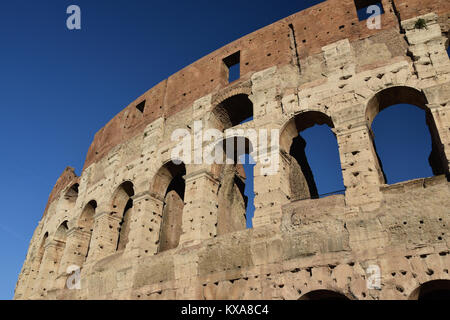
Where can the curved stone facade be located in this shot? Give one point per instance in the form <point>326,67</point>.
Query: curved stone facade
<point>141,227</point>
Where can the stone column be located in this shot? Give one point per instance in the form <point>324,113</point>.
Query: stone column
<point>104,236</point>
<point>49,266</point>
<point>201,204</point>
<point>271,186</point>
<point>77,245</point>
<point>361,170</point>
<point>145,224</point>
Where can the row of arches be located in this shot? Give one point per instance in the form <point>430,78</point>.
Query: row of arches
<point>169,188</point>
<point>404,136</point>
<point>431,290</point>
<point>308,179</point>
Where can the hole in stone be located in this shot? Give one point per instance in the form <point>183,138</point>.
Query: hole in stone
<point>233,64</point>
<point>141,106</point>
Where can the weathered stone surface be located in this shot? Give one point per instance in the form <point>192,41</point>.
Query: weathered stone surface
<point>141,227</point>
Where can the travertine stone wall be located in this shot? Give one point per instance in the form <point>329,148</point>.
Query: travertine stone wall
<point>321,65</point>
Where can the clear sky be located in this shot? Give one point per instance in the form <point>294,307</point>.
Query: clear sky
<point>59,87</point>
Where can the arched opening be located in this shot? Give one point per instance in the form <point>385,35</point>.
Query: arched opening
<point>72,193</point>
<point>233,111</point>
<point>169,186</point>
<point>236,193</point>
<point>122,207</point>
<point>324,295</point>
<point>60,239</point>
<point>70,198</point>
<point>312,151</point>
<point>86,222</point>
<point>405,138</point>
<point>61,232</point>
<point>432,290</point>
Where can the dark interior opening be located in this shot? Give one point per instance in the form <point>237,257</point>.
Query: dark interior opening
<point>178,184</point>
<point>123,203</point>
<point>234,111</point>
<point>72,194</point>
<point>173,185</point>
<point>128,188</point>
<point>433,290</point>
<point>315,169</point>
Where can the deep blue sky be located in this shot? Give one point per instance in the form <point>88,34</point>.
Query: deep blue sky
<point>59,87</point>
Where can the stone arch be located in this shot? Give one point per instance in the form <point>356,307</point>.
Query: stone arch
<point>169,186</point>
<point>61,232</point>
<point>232,111</point>
<point>60,240</point>
<point>70,198</point>
<point>324,295</point>
<point>37,261</point>
<point>122,205</point>
<point>301,179</point>
<point>242,88</point>
<point>86,222</point>
<point>72,192</point>
<point>391,96</point>
<point>432,290</point>
<point>232,201</point>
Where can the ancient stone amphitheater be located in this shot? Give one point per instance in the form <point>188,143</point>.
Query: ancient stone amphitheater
<point>142,227</point>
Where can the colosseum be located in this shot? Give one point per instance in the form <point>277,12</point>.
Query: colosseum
<point>138,225</point>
